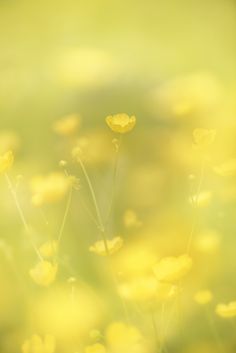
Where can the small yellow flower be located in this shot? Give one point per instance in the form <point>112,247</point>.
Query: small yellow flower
<point>121,123</point>
<point>95,348</point>
<point>113,246</point>
<point>203,297</point>
<point>44,273</point>
<point>172,269</point>
<point>38,345</point>
<point>203,137</point>
<point>67,125</point>
<point>226,310</point>
<point>49,249</point>
<point>6,161</point>
<point>125,338</point>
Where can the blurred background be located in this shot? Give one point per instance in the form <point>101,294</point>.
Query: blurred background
<point>172,65</point>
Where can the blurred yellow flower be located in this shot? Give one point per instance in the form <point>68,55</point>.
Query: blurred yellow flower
<point>49,189</point>
<point>124,338</point>
<point>6,161</point>
<point>49,249</point>
<point>121,123</point>
<point>203,297</point>
<point>203,137</point>
<point>38,345</point>
<point>67,125</point>
<point>226,310</point>
<point>44,273</point>
<point>113,245</point>
<point>95,348</point>
<point>172,269</point>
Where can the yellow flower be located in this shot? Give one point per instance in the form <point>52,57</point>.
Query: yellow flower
<point>6,161</point>
<point>67,125</point>
<point>172,269</point>
<point>227,168</point>
<point>44,273</point>
<point>49,249</point>
<point>95,348</point>
<point>49,189</point>
<point>113,246</point>
<point>121,123</point>
<point>203,137</point>
<point>226,310</point>
<point>124,338</point>
<point>203,297</point>
<point>38,345</point>
<point>203,199</point>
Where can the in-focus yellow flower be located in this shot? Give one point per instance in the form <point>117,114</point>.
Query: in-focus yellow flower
<point>49,189</point>
<point>203,137</point>
<point>226,310</point>
<point>172,269</point>
<point>203,297</point>
<point>44,273</point>
<point>95,348</point>
<point>121,123</point>
<point>38,345</point>
<point>49,249</point>
<point>203,199</point>
<point>227,168</point>
<point>67,125</point>
<point>6,161</point>
<point>113,246</point>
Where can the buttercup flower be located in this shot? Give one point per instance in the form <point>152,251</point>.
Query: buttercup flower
<point>38,345</point>
<point>67,125</point>
<point>226,310</point>
<point>121,123</point>
<point>203,297</point>
<point>172,269</point>
<point>113,246</point>
<point>95,348</point>
<point>48,249</point>
<point>6,161</point>
<point>44,273</point>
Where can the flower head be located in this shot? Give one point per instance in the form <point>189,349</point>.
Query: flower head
<point>113,245</point>
<point>226,310</point>
<point>44,273</point>
<point>121,123</point>
<point>172,269</point>
<point>203,137</point>
<point>36,344</point>
<point>6,161</point>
